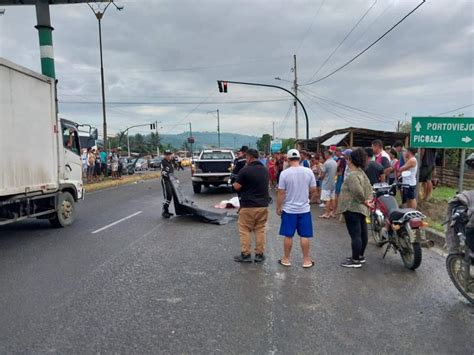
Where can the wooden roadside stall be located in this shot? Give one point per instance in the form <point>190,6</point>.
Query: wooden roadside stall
<point>353,137</point>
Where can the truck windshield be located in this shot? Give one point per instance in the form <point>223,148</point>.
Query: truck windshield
<point>216,156</point>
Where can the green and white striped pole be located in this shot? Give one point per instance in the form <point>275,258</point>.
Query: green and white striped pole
<point>45,33</point>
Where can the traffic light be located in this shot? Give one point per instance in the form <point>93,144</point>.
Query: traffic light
<point>222,85</point>
<point>152,126</point>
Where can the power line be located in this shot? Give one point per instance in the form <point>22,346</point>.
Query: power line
<point>343,40</point>
<point>281,124</point>
<point>456,109</point>
<point>124,103</point>
<point>310,26</point>
<point>366,49</point>
<point>348,107</point>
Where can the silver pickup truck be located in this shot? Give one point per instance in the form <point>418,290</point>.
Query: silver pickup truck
<point>212,168</point>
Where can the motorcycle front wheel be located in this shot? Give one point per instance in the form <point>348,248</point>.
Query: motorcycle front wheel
<point>454,265</point>
<point>376,230</point>
<point>410,252</point>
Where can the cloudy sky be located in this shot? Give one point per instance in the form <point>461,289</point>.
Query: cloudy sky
<point>162,60</point>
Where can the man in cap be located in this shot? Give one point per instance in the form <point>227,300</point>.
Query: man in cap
<point>252,185</point>
<point>295,188</point>
<point>239,162</point>
<point>167,170</point>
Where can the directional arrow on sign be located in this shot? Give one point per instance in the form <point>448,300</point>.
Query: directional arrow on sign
<point>466,139</point>
<point>418,126</point>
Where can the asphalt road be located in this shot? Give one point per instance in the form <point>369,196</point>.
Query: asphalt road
<point>148,285</point>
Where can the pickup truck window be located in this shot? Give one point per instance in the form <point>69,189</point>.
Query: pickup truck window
<point>71,140</point>
<point>216,156</point>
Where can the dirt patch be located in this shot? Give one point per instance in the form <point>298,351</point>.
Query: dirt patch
<point>124,181</point>
<point>435,211</point>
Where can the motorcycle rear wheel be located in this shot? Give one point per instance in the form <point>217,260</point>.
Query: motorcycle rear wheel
<point>376,230</point>
<point>410,253</point>
<point>454,266</point>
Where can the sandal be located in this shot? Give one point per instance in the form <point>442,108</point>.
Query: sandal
<point>284,264</point>
<point>308,266</point>
<point>325,216</point>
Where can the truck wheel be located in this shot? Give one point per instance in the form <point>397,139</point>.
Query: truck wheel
<point>66,209</point>
<point>197,188</point>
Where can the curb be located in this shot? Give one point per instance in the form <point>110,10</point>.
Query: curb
<point>437,237</point>
<point>120,183</point>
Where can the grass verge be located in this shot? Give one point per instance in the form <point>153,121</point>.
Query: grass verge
<point>128,179</point>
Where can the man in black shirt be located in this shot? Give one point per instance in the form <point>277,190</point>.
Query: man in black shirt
<point>373,170</point>
<point>252,185</point>
<point>428,163</point>
<point>167,170</point>
<point>239,162</point>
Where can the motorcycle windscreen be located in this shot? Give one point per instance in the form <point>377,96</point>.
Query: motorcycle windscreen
<point>185,207</point>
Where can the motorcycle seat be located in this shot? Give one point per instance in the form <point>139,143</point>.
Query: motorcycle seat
<point>398,213</point>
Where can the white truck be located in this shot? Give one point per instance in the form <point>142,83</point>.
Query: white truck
<point>40,163</point>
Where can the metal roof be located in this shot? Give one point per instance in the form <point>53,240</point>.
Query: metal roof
<point>335,139</point>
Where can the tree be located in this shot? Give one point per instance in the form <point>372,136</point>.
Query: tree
<point>288,144</point>
<point>405,127</point>
<point>263,143</point>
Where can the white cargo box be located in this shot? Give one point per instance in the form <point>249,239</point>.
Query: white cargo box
<point>28,131</point>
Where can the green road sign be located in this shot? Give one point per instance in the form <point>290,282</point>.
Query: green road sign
<point>442,132</point>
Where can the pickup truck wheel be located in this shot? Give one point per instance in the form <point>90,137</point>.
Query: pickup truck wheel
<point>66,209</point>
<point>197,188</point>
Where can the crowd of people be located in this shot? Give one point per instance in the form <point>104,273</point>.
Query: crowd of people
<point>95,164</point>
<point>339,180</point>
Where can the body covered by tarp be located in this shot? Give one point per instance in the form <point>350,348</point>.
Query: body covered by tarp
<point>185,207</point>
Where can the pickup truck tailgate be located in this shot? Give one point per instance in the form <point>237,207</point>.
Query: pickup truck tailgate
<point>214,166</point>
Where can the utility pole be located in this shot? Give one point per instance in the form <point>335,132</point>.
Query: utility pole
<point>157,140</point>
<point>99,15</point>
<point>295,84</point>
<point>218,130</point>
<point>273,136</point>
<point>190,136</point>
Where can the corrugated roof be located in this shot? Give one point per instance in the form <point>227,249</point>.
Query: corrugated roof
<point>335,140</point>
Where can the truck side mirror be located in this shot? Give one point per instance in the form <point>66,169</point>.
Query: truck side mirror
<point>94,134</point>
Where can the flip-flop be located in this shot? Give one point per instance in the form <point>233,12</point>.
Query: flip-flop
<point>324,216</point>
<point>308,266</point>
<point>284,264</point>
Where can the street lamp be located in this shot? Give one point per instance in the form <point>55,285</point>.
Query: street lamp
<point>99,13</point>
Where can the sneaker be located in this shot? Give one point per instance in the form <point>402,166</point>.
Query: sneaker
<point>166,215</point>
<point>361,259</point>
<point>322,205</point>
<point>259,258</point>
<point>352,264</point>
<point>242,258</point>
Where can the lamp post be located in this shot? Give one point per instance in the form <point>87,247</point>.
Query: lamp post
<point>99,15</point>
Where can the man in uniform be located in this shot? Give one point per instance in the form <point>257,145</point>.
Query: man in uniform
<point>167,170</point>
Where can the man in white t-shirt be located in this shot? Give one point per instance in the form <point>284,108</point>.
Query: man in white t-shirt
<point>295,188</point>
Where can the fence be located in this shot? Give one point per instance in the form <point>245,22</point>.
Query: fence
<point>450,177</point>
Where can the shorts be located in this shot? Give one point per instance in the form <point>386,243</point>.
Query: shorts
<point>318,184</point>
<point>408,193</point>
<point>327,195</point>
<point>292,222</point>
<point>426,173</point>
<point>339,182</point>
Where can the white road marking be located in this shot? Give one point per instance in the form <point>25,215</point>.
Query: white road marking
<point>116,222</point>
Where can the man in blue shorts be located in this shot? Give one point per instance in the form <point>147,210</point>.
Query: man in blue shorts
<point>294,189</point>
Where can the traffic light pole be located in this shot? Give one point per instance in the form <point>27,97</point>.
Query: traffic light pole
<point>276,87</point>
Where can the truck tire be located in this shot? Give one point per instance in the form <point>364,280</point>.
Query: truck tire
<point>66,209</point>
<point>197,188</point>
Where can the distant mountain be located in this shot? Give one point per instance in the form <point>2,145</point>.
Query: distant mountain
<point>209,140</point>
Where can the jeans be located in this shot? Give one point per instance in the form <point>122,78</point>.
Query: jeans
<point>357,228</point>
<point>252,219</point>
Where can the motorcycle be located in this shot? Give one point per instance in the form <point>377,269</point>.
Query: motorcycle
<point>401,229</point>
<point>460,242</point>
